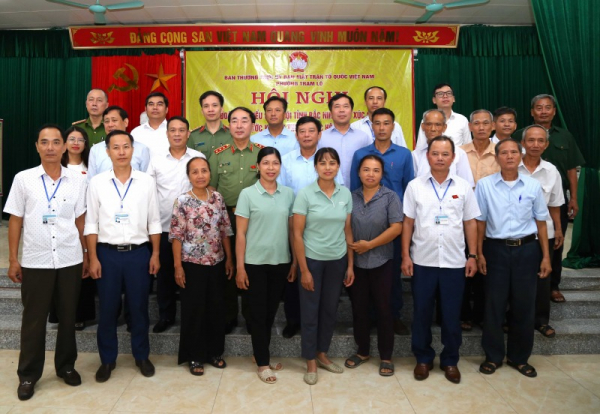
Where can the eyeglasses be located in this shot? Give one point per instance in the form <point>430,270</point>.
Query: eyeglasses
<point>444,94</point>
<point>73,140</point>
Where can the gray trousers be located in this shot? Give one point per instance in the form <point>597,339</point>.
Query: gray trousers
<point>318,309</point>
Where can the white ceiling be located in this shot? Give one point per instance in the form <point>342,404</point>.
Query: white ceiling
<point>34,14</point>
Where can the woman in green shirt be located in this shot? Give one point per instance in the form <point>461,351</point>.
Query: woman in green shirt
<point>322,234</point>
<point>263,218</point>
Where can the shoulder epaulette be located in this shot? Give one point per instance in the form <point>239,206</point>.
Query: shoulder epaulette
<point>257,145</point>
<point>222,148</point>
<point>196,129</point>
<point>78,122</point>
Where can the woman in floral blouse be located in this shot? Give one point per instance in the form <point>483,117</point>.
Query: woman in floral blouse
<point>200,230</point>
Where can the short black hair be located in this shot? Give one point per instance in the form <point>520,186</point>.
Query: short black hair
<point>243,108</point>
<point>505,110</point>
<point>263,153</point>
<point>324,151</point>
<point>383,111</point>
<point>372,157</point>
<point>278,99</point>
<point>308,120</point>
<point>50,126</point>
<point>376,87</point>
<point>117,132</point>
<point>187,166</point>
<point>440,86</point>
<point>178,118</point>
<point>212,93</point>
<point>337,97</point>
<point>160,95</point>
<point>121,111</point>
<point>441,138</point>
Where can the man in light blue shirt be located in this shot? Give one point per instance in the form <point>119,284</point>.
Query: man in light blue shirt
<point>276,134</point>
<point>512,256</point>
<point>116,118</point>
<point>341,136</point>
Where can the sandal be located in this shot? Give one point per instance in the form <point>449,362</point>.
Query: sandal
<point>356,361</point>
<point>525,369</point>
<point>488,367</point>
<point>275,366</point>
<point>265,375</point>
<point>557,297</point>
<point>386,365</point>
<point>195,367</point>
<point>466,326</point>
<point>217,362</point>
<point>545,330</point>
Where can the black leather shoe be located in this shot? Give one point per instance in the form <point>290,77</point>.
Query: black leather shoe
<point>162,326</point>
<point>103,373</point>
<point>71,378</point>
<point>290,330</point>
<point>146,367</point>
<point>25,390</point>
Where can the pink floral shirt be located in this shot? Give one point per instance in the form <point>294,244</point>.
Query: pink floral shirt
<point>200,227</point>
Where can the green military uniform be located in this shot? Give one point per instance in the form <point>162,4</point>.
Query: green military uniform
<point>95,135</point>
<point>201,139</point>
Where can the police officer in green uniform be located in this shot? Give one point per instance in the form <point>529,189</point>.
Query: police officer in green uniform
<point>213,134</point>
<point>233,168</point>
<point>96,103</point>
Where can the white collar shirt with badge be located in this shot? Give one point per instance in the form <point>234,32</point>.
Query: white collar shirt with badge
<point>457,128</point>
<point>365,125</point>
<point>105,217</point>
<point>460,166</point>
<point>171,180</point>
<point>155,139</point>
<point>54,244</point>
<point>438,237</point>
<point>549,178</point>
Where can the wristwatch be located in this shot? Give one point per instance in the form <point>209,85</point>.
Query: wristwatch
<point>85,250</point>
<point>472,256</point>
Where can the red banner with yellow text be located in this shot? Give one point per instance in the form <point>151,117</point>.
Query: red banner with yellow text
<point>129,79</point>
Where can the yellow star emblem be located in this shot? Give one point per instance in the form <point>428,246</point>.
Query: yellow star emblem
<point>161,79</point>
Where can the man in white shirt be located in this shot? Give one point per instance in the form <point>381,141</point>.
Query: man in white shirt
<point>47,204</point>
<point>123,234</point>
<point>457,124</point>
<point>375,97</point>
<point>439,213</point>
<point>115,119</point>
<point>434,125</point>
<point>341,136</point>
<point>276,134</point>
<point>169,171</point>
<point>505,123</point>
<point>153,133</point>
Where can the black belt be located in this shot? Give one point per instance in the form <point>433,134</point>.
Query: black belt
<point>515,242</point>
<point>123,247</point>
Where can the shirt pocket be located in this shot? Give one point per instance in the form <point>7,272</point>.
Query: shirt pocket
<point>524,207</point>
<point>66,208</point>
<point>224,168</point>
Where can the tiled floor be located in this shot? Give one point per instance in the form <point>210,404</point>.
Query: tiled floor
<point>565,384</point>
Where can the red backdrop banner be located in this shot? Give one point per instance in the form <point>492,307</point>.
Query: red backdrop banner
<point>129,79</point>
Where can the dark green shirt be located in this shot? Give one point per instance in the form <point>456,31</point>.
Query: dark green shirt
<point>95,135</point>
<point>563,152</point>
<point>201,139</point>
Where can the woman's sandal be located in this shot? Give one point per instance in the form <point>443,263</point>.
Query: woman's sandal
<point>217,362</point>
<point>333,367</point>
<point>525,369</point>
<point>388,366</point>
<point>544,330</point>
<point>195,367</point>
<point>275,366</point>
<point>265,375</point>
<point>488,367</point>
<point>356,361</point>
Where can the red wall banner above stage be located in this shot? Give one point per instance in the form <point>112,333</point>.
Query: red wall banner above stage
<point>264,35</point>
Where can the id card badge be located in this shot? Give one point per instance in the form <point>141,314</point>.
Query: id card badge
<point>122,217</point>
<point>49,219</point>
<point>442,220</point>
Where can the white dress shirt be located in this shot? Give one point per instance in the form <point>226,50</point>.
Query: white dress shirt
<point>51,245</point>
<point>439,245</point>
<point>366,126</point>
<point>99,160</point>
<point>155,139</point>
<point>140,202</point>
<point>457,128</point>
<point>345,145</point>
<point>460,166</point>
<point>549,178</point>
<point>171,181</point>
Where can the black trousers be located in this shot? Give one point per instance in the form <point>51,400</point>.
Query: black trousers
<point>86,306</point>
<point>40,289</point>
<point>372,287</point>
<point>475,292</point>
<point>556,275</point>
<point>266,284</point>
<point>511,280</point>
<point>202,332</point>
<point>166,288</point>
<point>542,298</point>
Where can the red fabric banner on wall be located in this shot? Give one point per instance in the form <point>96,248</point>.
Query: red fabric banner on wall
<point>129,79</point>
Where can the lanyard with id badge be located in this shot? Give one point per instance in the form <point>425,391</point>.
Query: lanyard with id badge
<point>122,216</point>
<point>441,218</point>
<point>50,217</point>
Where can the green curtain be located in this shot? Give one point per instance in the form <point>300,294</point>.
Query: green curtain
<point>491,67</point>
<point>569,33</point>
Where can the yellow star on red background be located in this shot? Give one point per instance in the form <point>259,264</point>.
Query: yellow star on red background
<point>161,78</point>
